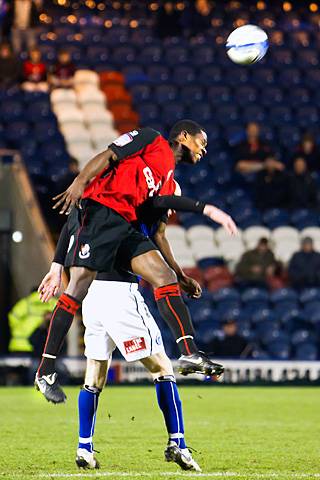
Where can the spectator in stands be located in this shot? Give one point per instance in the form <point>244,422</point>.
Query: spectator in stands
<point>35,73</point>
<point>197,17</point>
<point>63,71</point>
<point>168,23</point>
<point>309,150</point>
<point>251,154</point>
<point>302,187</point>
<point>24,318</point>
<point>271,185</point>
<point>230,344</point>
<point>21,22</point>
<point>10,67</point>
<point>304,266</point>
<point>256,266</point>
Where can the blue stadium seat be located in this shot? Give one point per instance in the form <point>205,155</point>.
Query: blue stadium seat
<point>209,75</point>
<point>302,336</point>
<point>122,56</point>
<point>150,54</point>
<point>235,76</point>
<point>263,76</point>
<point>191,94</point>
<point>11,111</point>
<point>270,96</point>
<point>134,74</point>
<point>290,77</point>
<point>184,75</point>
<point>263,329</point>
<point>289,136</point>
<point>312,312</point>
<point>304,218</point>
<point>284,295</point>
<point>259,354</point>
<point>311,78</point>
<point>306,116</point>
<point>279,350</point>
<point>299,96</point>
<point>46,130</point>
<point>39,110</point>
<point>218,94</point>
<point>307,57</point>
<point>140,93</point>
<point>280,115</point>
<point>275,217</point>
<point>253,113</point>
<point>262,315</point>
<point>176,55</point>
<point>280,57</point>
<point>245,94</point>
<point>256,295</point>
<point>98,54</point>
<point>234,195</point>
<point>16,133</point>
<point>200,112</point>
<point>91,34</point>
<point>310,295</point>
<point>165,93</point>
<point>148,112</point>
<point>306,351</point>
<point>203,55</point>
<point>49,53</point>
<point>29,149</point>
<point>54,152</point>
<point>172,112</point>
<point>158,74</point>
<point>226,114</point>
<point>226,295</point>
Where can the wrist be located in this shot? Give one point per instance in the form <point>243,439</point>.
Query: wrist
<point>56,268</point>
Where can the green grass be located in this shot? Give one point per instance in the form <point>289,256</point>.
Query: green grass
<point>248,432</point>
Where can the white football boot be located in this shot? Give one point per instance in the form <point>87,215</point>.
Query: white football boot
<point>181,456</point>
<point>86,459</point>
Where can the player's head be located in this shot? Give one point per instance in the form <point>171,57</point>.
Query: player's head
<point>189,141</point>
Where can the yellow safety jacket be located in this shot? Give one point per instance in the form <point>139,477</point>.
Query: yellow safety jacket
<point>24,318</point>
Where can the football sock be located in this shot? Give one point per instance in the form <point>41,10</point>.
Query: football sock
<point>61,320</point>
<point>176,315</point>
<point>170,404</point>
<point>87,408</point>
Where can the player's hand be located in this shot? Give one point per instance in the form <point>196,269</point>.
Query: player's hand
<point>51,283</point>
<point>190,286</point>
<point>221,217</point>
<point>70,197</point>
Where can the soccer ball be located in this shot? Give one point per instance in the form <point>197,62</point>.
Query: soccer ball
<point>247,44</point>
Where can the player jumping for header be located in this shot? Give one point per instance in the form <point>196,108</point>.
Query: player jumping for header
<point>136,166</point>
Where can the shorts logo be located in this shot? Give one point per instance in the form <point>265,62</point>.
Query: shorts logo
<point>71,242</point>
<point>134,345</point>
<point>84,251</point>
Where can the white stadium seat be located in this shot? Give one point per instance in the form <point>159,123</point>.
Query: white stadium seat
<point>82,152</point>
<point>284,250</point>
<point>175,232</point>
<point>200,232</point>
<point>288,233</point>
<point>313,232</point>
<point>204,249</point>
<point>222,235</point>
<point>186,260</point>
<point>63,95</point>
<point>74,133</point>
<point>69,114</point>
<point>86,77</point>
<point>252,235</point>
<point>91,96</point>
<point>232,250</point>
<point>97,115</point>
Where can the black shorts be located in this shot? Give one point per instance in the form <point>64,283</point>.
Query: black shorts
<point>98,235</point>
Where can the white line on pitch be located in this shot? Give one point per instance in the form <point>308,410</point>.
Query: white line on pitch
<point>253,475</point>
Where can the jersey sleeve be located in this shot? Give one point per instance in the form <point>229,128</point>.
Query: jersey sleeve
<point>134,142</point>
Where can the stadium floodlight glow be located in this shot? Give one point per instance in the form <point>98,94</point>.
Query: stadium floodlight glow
<point>17,236</point>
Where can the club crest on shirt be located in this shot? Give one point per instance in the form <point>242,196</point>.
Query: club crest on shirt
<point>84,251</point>
<point>134,345</point>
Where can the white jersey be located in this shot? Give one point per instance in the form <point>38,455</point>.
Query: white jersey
<point>115,315</point>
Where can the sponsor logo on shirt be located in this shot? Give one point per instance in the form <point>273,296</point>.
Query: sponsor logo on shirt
<point>134,345</point>
<point>152,186</point>
<point>84,251</point>
<point>126,138</point>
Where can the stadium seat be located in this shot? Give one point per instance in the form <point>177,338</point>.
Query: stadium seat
<point>94,114</point>
<point>279,350</point>
<point>150,54</point>
<point>69,114</point>
<point>252,235</point>
<point>284,295</point>
<point>191,94</point>
<point>302,336</point>
<point>313,232</point>
<point>218,94</point>
<point>175,232</point>
<point>304,218</point>
<point>210,75</point>
<point>202,55</point>
<point>310,295</point>
<point>184,75</point>
<point>165,93</point>
<point>199,232</point>
<point>226,295</point>
<point>256,295</point>
<point>275,217</point>
<point>263,314</point>
<point>91,95</point>
<point>148,112</point>
<point>86,77</point>
<point>307,58</point>
<point>306,351</point>
<point>285,233</point>
<point>63,95</point>
<point>172,112</point>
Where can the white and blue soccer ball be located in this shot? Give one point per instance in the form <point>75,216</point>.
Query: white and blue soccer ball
<point>247,44</point>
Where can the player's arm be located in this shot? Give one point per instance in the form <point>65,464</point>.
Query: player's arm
<point>72,195</point>
<point>188,284</point>
<point>185,204</point>
<point>51,283</point>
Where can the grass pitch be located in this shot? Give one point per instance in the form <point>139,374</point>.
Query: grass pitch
<point>239,433</point>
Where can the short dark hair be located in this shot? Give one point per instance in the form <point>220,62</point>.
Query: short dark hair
<point>185,125</point>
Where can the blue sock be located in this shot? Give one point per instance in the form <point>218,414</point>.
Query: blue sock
<point>87,408</point>
<point>170,404</point>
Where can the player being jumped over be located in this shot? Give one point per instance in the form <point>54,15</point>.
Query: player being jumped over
<point>135,167</point>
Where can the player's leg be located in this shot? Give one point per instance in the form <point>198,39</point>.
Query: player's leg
<point>95,379</point>
<point>160,367</point>
<point>152,267</point>
<point>61,320</point>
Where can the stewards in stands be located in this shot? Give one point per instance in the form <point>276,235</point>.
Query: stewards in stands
<point>256,266</point>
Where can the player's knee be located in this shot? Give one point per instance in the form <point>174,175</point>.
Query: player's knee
<point>96,374</point>
<point>159,365</point>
